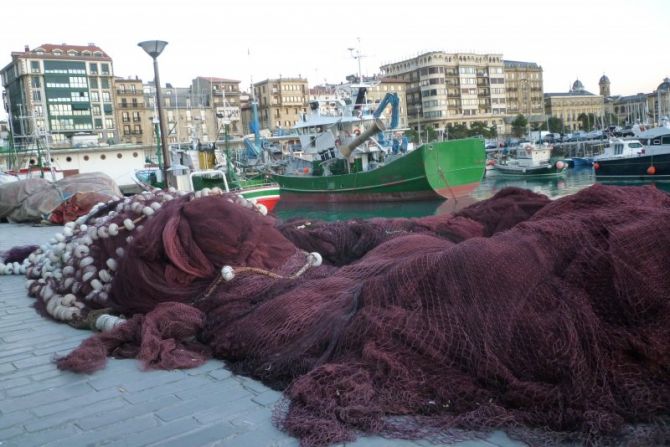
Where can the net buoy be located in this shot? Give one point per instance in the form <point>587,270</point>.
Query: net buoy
<point>560,165</point>
<point>596,165</point>
<point>651,170</point>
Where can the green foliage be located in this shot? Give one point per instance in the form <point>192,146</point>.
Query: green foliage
<point>587,120</point>
<point>412,135</point>
<point>555,124</point>
<point>457,131</point>
<point>519,125</point>
<point>477,129</point>
<point>431,134</point>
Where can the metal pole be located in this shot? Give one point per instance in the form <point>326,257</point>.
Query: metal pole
<point>161,121</point>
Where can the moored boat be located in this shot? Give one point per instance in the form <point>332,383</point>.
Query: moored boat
<point>645,157</point>
<point>445,169</point>
<point>531,161</point>
<point>349,154</point>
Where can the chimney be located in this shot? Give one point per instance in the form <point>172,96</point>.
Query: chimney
<point>26,48</point>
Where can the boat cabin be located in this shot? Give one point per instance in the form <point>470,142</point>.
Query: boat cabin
<point>620,148</point>
<point>529,155</point>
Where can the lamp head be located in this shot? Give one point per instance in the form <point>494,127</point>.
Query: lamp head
<point>153,47</point>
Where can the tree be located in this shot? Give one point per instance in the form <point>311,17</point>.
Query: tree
<point>478,129</point>
<point>555,124</point>
<point>519,125</point>
<point>457,131</point>
<point>431,134</point>
<point>412,135</point>
<point>587,120</point>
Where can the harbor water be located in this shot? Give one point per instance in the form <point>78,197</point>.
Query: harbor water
<point>573,181</point>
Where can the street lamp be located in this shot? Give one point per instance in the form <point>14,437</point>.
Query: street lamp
<point>154,48</point>
<point>230,171</point>
<point>418,116</point>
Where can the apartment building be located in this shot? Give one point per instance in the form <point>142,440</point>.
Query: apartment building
<point>452,88</point>
<point>60,90</point>
<point>281,102</point>
<point>188,118</point>
<point>524,89</point>
<point>224,96</point>
<point>134,119</point>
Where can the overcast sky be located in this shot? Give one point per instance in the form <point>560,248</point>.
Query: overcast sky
<point>260,39</point>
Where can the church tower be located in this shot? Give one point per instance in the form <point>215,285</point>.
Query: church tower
<point>604,84</point>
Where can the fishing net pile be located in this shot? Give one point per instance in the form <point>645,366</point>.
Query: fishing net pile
<point>547,319</point>
<point>37,199</point>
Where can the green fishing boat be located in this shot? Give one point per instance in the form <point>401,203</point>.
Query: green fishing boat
<point>348,153</point>
<point>445,169</point>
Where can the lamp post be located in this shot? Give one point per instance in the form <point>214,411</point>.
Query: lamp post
<point>230,171</point>
<point>154,48</point>
<point>418,116</point>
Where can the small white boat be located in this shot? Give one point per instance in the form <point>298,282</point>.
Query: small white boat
<point>531,160</point>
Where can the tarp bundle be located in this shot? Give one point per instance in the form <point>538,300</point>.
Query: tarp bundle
<point>35,199</point>
<point>548,319</point>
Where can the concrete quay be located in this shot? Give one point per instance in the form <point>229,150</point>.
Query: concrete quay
<point>122,405</point>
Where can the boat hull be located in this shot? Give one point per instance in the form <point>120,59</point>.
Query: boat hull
<point>258,191</point>
<point>634,167</point>
<point>542,171</point>
<point>440,170</point>
<point>264,195</point>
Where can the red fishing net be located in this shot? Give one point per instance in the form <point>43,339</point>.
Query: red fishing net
<point>548,319</point>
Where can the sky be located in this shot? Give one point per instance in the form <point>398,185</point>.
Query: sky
<point>254,40</point>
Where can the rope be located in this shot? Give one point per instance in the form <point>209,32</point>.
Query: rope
<point>228,273</point>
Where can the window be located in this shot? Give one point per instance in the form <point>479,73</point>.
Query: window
<point>35,82</point>
<point>95,97</point>
<point>34,66</point>
<point>77,82</point>
<point>106,96</point>
<point>104,68</point>
<point>104,83</point>
<point>93,68</point>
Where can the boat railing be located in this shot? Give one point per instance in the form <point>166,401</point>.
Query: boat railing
<point>211,172</point>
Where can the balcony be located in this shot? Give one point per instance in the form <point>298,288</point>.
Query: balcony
<point>129,92</point>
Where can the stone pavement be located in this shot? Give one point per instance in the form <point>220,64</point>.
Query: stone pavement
<point>122,405</point>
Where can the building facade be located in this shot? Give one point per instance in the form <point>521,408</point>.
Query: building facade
<point>524,89</point>
<point>189,121</point>
<point>281,102</point>
<point>453,88</point>
<point>60,91</point>
<point>571,105</point>
<point>224,97</point>
<point>133,118</point>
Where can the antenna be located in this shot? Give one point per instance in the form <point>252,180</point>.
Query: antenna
<point>356,54</point>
